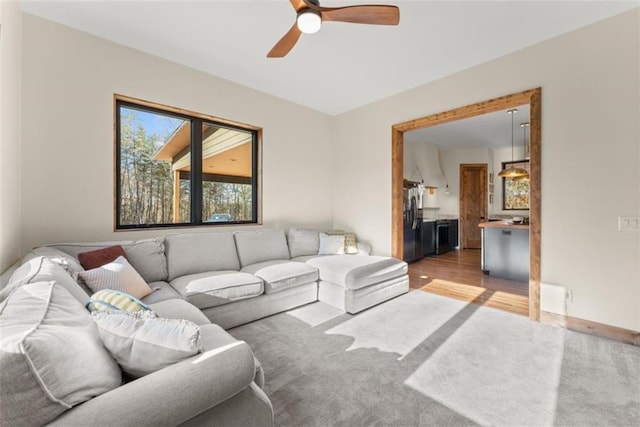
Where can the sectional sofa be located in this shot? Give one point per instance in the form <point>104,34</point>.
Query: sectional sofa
<point>217,280</point>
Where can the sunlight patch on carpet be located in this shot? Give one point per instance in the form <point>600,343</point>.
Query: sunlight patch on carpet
<point>316,313</point>
<point>498,369</point>
<point>400,325</point>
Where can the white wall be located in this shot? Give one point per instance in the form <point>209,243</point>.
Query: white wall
<point>423,156</point>
<point>10,182</point>
<point>69,79</point>
<point>451,160</point>
<point>421,165</point>
<point>590,158</point>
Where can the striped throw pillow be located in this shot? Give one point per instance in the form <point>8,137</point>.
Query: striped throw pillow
<point>109,299</point>
<point>118,275</point>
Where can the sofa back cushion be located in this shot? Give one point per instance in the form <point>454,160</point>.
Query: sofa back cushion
<point>199,252</point>
<point>303,242</point>
<point>261,245</point>
<point>51,355</point>
<point>41,269</point>
<point>68,262</point>
<point>146,256</point>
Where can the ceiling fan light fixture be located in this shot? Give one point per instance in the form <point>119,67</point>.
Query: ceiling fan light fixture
<point>310,15</point>
<point>309,21</point>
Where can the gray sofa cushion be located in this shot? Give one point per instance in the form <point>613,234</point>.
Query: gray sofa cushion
<point>179,309</point>
<point>279,274</point>
<point>51,355</point>
<point>143,343</point>
<point>355,272</point>
<point>146,256</point>
<point>66,261</point>
<point>261,245</point>
<point>162,291</point>
<point>200,252</point>
<point>41,269</point>
<point>305,258</point>
<point>303,242</point>
<point>215,288</point>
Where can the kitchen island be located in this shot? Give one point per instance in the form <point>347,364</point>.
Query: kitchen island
<point>505,250</point>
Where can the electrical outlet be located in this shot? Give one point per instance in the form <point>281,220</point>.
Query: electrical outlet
<point>627,223</point>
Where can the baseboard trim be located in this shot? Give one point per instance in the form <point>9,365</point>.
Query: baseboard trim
<point>614,333</point>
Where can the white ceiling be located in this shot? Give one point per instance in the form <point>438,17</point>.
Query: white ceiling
<point>343,66</point>
<point>491,130</point>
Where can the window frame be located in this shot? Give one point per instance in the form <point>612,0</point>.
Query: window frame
<point>196,176</point>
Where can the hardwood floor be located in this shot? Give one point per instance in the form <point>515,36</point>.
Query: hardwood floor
<point>457,274</point>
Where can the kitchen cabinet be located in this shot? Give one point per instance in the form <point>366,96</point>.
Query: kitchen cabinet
<point>428,238</point>
<point>453,233</point>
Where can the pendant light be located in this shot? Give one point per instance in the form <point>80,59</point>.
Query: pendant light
<point>525,149</point>
<point>512,171</point>
<point>525,146</point>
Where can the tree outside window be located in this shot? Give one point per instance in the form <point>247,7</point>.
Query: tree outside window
<point>515,191</point>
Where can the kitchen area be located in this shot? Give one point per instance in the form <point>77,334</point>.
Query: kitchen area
<point>426,232</point>
<point>464,221</point>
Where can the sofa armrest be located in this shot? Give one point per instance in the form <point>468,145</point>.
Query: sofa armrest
<point>172,395</point>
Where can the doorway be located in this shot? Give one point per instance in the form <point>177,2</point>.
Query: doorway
<point>473,204</point>
<point>533,99</point>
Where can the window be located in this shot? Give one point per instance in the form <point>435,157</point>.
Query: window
<point>177,168</point>
<point>515,191</point>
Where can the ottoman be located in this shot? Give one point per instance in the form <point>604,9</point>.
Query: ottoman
<point>354,283</point>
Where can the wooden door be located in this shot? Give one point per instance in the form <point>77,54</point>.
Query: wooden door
<point>473,204</point>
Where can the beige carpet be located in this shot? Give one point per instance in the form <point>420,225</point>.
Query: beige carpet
<point>423,359</point>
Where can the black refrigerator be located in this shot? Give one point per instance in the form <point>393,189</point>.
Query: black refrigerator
<point>412,222</point>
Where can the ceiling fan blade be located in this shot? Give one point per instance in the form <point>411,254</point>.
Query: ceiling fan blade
<point>363,14</point>
<point>298,4</point>
<point>286,43</point>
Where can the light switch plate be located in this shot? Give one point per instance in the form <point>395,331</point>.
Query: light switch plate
<point>628,223</point>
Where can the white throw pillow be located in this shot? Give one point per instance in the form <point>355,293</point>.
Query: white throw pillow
<point>331,245</point>
<point>118,275</point>
<point>51,355</point>
<point>143,343</point>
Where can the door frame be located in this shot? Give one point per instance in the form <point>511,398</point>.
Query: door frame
<point>533,97</point>
<point>485,196</point>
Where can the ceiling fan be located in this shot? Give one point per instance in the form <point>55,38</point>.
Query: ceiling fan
<point>311,15</point>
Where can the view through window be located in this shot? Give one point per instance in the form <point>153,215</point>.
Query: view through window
<point>179,169</point>
<point>515,191</point>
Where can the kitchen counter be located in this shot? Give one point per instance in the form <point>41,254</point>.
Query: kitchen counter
<point>503,224</point>
<point>440,218</point>
<point>505,250</point>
